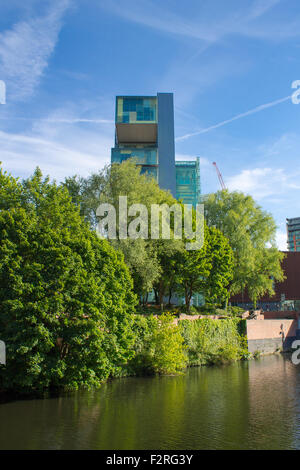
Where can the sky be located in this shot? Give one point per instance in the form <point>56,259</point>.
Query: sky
<point>230,65</point>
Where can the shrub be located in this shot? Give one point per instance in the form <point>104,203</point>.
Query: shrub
<point>213,341</point>
<point>159,347</point>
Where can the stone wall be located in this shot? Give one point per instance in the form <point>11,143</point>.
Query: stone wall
<point>269,336</point>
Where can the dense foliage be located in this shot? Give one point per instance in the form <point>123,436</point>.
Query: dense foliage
<point>159,264</point>
<point>66,297</point>
<point>159,346</point>
<point>208,270</point>
<point>251,234</point>
<point>144,257</point>
<point>214,341</point>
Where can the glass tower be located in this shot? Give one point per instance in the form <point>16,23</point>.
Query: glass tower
<point>144,130</point>
<point>293,234</point>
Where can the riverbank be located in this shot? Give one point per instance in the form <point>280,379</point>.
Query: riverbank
<point>168,345</point>
<point>162,347</point>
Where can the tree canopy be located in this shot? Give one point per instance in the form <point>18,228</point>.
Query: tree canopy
<point>66,298</point>
<point>144,257</point>
<point>251,234</point>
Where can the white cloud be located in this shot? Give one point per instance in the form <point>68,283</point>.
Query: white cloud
<point>26,48</point>
<point>262,182</point>
<point>281,240</point>
<point>79,153</point>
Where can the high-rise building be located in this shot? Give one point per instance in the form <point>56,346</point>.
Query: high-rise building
<point>145,131</point>
<point>293,234</point>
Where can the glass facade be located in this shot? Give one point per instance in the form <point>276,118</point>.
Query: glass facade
<point>188,187</point>
<point>136,109</point>
<point>144,156</point>
<point>152,144</point>
<point>293,233</point>
<point>151,171</point>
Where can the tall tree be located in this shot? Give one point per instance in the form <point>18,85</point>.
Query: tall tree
<point>208,270</point>
<point>222,267</point>
<point>251,234</point>
<point>146,258</point>
<point>66,297</point>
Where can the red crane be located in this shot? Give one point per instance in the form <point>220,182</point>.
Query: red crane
<point>220,177</point>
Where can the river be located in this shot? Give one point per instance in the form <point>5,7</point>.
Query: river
<point>247,405</point>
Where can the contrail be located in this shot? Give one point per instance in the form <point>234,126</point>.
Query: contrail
<point>235,118</point>
<point>64,120</point>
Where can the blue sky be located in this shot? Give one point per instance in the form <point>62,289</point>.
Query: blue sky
<point>63,62</point>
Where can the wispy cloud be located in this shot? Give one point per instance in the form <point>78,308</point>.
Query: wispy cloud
<point>61,120</point>
<point>237,18</point>
<point>21,153</point>
<point>26,48</point>
<point>235,118</point>
<point>59,144</point>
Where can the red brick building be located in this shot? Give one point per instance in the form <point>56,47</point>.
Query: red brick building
<point>287,293</point>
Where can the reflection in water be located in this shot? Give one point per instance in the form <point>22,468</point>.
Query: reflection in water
<point>246,405</point>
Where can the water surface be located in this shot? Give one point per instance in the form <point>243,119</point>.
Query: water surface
<point>247,405</point>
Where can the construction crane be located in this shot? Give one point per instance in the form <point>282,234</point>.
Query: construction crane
<point>220,177</point>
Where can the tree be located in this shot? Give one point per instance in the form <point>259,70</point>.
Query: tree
<point>66,297</point>
<point>85,193</point>
<point>251,234</point>
<point>146,258</point>
<point>142,263</point>
<point>208,270</point>
<point>222,265</point>
<point>267,268</point>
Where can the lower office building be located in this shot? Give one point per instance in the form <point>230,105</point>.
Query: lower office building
<point>188,187</point>
<point>293,234</point>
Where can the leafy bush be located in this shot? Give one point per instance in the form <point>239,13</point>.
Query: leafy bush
<point>159,347</point>
<point>236,310</point>
<point>213,341</point>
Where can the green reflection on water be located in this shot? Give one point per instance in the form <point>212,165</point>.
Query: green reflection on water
<point>245,405</point>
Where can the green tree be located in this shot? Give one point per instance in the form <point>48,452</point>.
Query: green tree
<point>146,259</point>
<point>66,297</point>
<point>267,268</point>
<point>142,262</point>
<point>208,270</point>
<point>251,234</point>
<point>222,267</point>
